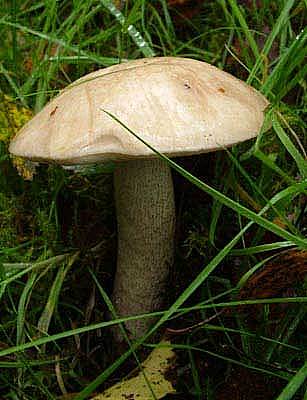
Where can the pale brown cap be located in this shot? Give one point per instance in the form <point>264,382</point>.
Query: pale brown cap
<point>179,106</point>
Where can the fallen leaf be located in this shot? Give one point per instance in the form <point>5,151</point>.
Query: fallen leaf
<point>155,367</point>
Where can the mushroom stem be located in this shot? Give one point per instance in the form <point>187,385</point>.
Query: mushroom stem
<point>145,208</point>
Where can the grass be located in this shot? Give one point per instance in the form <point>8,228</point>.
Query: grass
<point>243,218</point>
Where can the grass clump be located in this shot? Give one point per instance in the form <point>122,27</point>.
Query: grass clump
<point>236,312</point>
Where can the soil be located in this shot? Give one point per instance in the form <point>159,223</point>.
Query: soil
<point>244,384</point>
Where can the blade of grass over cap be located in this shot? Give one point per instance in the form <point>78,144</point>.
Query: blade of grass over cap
<point>300,242</point>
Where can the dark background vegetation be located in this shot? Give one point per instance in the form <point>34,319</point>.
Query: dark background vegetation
<point>58,227</point>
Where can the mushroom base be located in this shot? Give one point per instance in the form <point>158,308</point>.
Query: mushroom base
<point>145,209</point>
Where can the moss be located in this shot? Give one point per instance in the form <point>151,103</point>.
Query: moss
<point>12,117</point>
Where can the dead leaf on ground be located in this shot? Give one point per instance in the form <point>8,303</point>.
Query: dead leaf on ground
<point>155,367</point>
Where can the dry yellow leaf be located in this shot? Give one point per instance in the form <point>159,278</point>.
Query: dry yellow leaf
<point>136,388</point>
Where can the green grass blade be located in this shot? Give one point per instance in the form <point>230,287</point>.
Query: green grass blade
<point>133,32</point>
<point>251,271</point>
<point>106,61</point>
<point>288,61</point>
<point>295,383</point>
<point>45,318</point>
<point>249,334</point>
<point>257,192</point>
<point>261,248</point>
<point>295,154</point>
<point>299,78</point>
<point>280,24</point>
<point>22,307</point>
<point>28,267</point>
<point>240,17</point>
<point>13,84</point>
<point>284,376</point>
<point>100,325</point>
<point>272,165</point>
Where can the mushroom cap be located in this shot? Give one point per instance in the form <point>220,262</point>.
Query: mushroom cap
<point>179,106</point>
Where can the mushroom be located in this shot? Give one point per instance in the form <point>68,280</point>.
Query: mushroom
<point>180,107</point>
